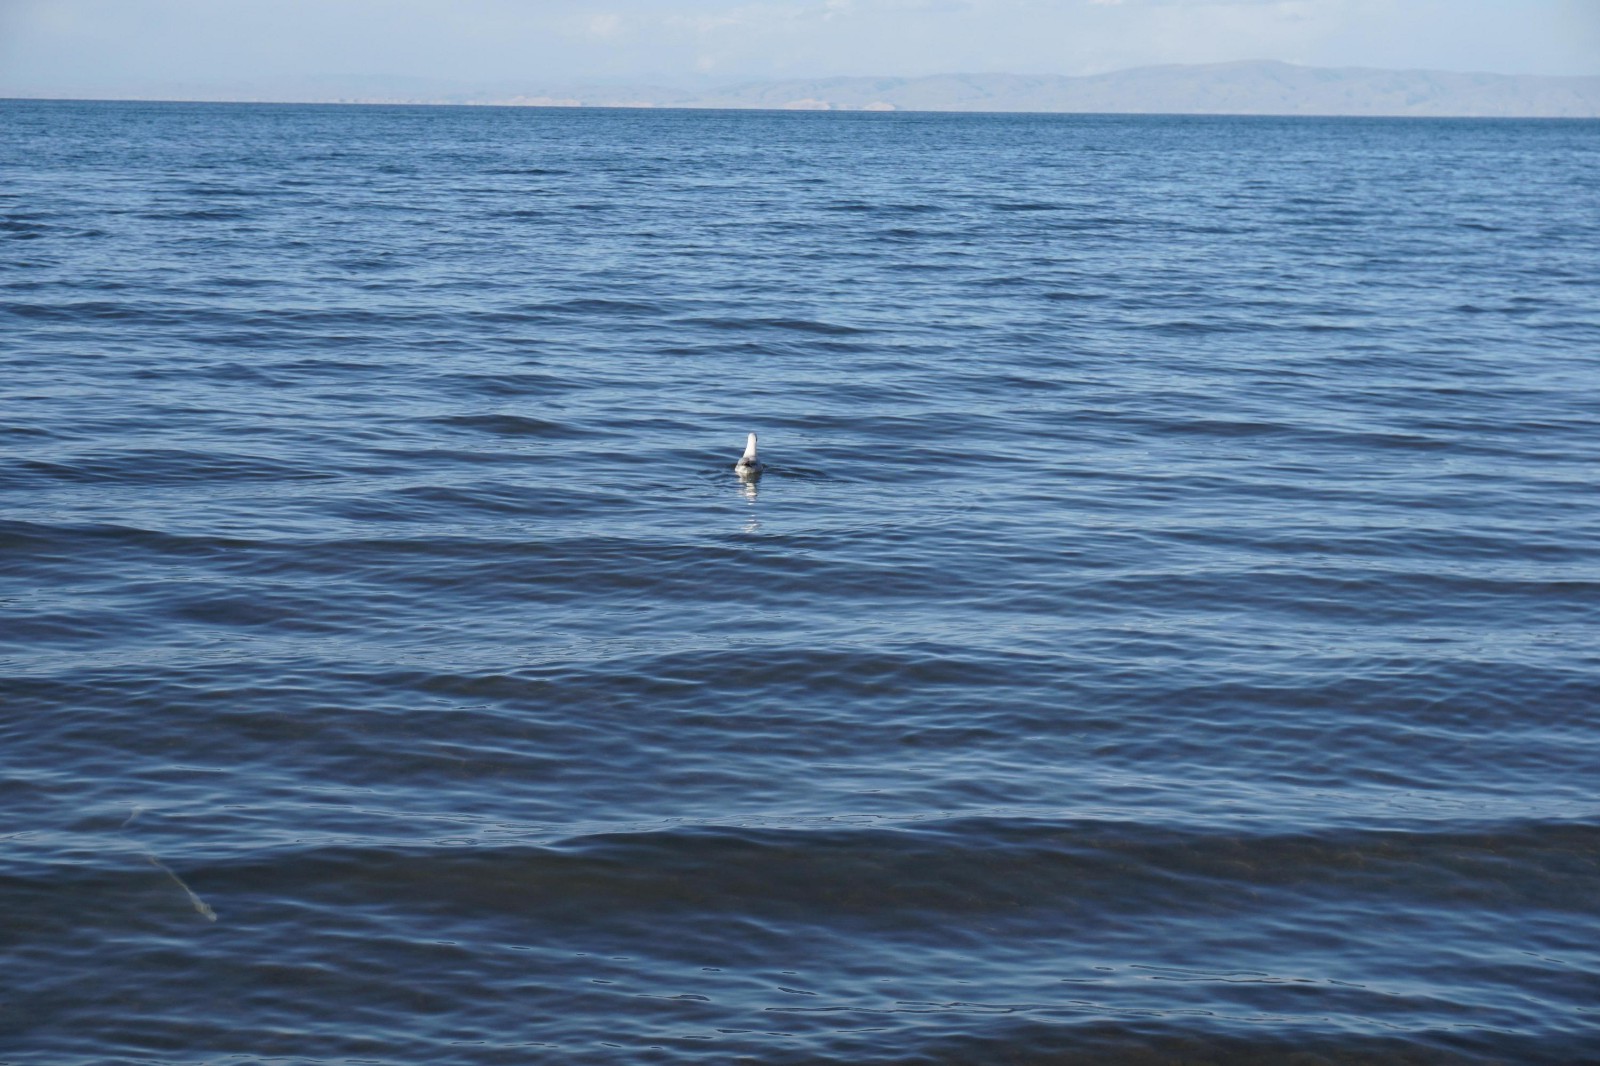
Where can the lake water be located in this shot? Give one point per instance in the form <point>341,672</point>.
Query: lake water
<point>1166,629</point>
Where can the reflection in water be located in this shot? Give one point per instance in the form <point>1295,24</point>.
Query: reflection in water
<point>749,490</point>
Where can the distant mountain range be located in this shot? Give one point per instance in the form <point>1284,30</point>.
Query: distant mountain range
<point>1247,88</point>
<point>1253,88</point>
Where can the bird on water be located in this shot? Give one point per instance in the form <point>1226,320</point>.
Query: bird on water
<point>748,465</point>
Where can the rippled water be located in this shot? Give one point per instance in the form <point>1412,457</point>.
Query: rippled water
<point>1165,630</point>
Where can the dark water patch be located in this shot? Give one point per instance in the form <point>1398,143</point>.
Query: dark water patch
<point>797,325</point>
<point>88,309</point>
<point>906,209</point>
<point>506,425</point>
<point>20,229</point>
<point>28,432</point>
<point>369,264</point>
<point>907,881</point>
<point>599,307</point>
<point>1197,327</point>
<point>164,466</point>
<point>277,610</point>
<point>1225,428</point>
<point>244,283</point>
<point>534,172</point>
<point>510,384</point>
<point>1024,205</point>
<point>32,536</point>
<point>229,191</point>
<point>196,313</point>
<point>202,214</point>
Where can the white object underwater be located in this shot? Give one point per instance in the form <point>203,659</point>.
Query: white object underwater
<point>749,465</point>
<point>201,907</point>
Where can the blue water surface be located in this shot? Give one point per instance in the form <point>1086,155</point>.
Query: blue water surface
<point>1165,631</point>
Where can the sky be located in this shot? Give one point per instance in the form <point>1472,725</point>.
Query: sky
<point>312,48</point>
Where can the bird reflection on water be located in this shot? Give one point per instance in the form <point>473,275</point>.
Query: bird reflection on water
<point>749,488</point>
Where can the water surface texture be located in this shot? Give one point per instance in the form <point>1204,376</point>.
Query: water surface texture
<point>1166,629</point>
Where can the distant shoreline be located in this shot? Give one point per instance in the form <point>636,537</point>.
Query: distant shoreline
<point>783,110</point>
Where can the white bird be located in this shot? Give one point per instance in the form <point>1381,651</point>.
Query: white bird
<point>748,465</point>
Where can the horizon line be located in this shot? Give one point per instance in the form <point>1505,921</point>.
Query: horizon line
<point>854,111</point>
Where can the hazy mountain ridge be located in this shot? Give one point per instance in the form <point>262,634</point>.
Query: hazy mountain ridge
<point>1243,88</point>
<point>1268,88</point>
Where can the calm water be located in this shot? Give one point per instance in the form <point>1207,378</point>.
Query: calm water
<point>1166,629</point>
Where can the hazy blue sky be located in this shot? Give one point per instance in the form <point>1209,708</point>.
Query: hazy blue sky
<point>135,46</point>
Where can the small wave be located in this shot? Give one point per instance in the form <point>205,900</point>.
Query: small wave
<point>507,425</point>
<point>795,325</point>
<point>208,189</point>
<point>510,384</point>
<point>532,172</point>
<point>1195,327</point>
<point>200,214</point>
<point>79,309</point>
<point>22,230</point>
<point>1024,205</point>
<point>923,872</point>
<point>599,306</point>
<point>167,466</point>
<point>887,209</point>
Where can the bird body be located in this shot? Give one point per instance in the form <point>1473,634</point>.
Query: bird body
<point>749,465</point>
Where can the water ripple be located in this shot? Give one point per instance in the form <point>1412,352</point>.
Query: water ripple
<point>1164,629</point>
